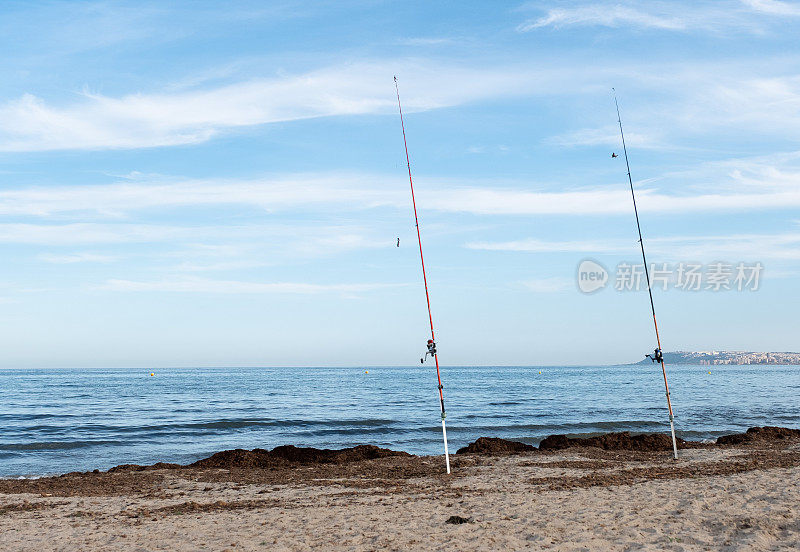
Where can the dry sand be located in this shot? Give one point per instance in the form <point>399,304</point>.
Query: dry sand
<point>742,497</point>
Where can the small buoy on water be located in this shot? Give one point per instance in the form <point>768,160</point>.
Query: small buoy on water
<point>540,371</point>
<point>709,372</point>
<point>367,372</point>
<point>153,373</point>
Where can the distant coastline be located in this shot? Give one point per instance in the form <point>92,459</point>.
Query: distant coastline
<point>722,358</point>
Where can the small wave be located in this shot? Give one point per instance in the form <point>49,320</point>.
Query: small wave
<point>203,427</point>
<point>27,416</point>
<point>621,425</point>
<point>54,445</point>
<point>353,431</point>
<point>240,423</point>
<point>29,477</point>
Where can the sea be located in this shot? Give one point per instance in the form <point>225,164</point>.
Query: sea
<point>54,421</point>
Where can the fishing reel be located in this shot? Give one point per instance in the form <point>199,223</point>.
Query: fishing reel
<point>657,356</point>
<point>431,351</point>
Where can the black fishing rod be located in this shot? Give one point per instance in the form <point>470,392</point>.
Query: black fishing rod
<point>657,356</point>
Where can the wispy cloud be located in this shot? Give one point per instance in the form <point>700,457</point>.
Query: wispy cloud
<point>62,30</point>
<point>773,7</point>
<point>80,257</point>
<point>216,267</point>
<point>665,16</point>
<point>498,148</point>
<point>425,41</point>
<point>601,201</point>
<point>90,233</point>
<point>699,97</point>
<point>548,285</point>
<point>202,285</point>
<point>269,193</point>
<point>184,117</point>
<point>533,245</point>
<point>767,104</point>
<point>741,247</point>
<point>734,247</point>
<point>607,15</point>
<point>606,136</point>
<point>254,243</point>
<point>761,186</point>
<point>772,172</point>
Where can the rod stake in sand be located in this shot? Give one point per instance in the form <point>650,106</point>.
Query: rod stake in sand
<point>431,345</point>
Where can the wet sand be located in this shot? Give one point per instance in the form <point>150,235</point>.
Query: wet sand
<point>743,495</point>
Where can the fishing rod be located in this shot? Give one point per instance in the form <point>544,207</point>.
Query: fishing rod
<point>657,356</point>
<point>431,345</point>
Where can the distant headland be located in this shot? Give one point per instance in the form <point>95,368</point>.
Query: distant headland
<point>716,358</point>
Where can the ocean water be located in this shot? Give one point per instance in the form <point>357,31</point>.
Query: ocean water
<point>55,421</point>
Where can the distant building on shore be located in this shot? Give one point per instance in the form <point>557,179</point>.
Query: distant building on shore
<point>721,358</point>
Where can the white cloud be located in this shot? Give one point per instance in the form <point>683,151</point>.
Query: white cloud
<point>88,233</point>
<point>202,285</point>
<point>601,201</point>
<point>184,117</point>
<point>534,245</point>
<point>606,136</point>
<point>421,41</point>
<point>764,104</point>
<point>246,247</point>
<point>118,200</point>
<point>216,267</point>
<point>710,16</point>
<point>82,257</point>
<point>735,247</point>
<point>42,28</point>
<point>697,96</point>
<point>773,7</point>
<point>499,148</point>
<point>741,247</point>
<point>692,105</point>
<point>758,187</point>
<point>195,249</point>
<point>607,15</point>
<point>774,172</point>
<point>548,285</point>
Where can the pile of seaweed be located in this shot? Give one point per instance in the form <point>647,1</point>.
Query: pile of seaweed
<point>645,442</point>
<point>288,456</point>
<point>624,440</point>
<point>760,435</point>
<point>279,457</point>
<point>494,446</point>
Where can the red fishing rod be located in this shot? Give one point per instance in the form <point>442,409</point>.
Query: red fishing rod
<point>431,345</point>
<point>657,356</point>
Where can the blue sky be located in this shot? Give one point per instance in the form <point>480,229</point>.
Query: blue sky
<point>202,183</point>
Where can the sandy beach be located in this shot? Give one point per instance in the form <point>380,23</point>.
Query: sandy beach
<point>743,496</point>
